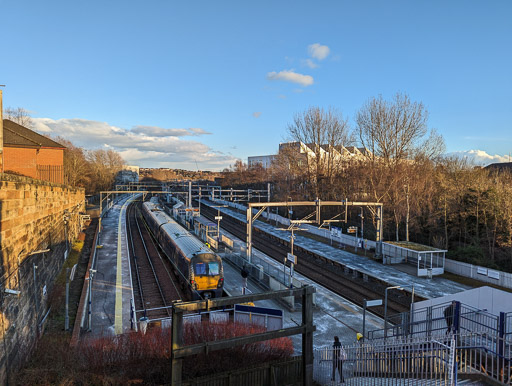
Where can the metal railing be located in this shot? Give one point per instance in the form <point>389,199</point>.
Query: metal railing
<point>443,359</point>
<point>395,362</point>
<point>444,318</point>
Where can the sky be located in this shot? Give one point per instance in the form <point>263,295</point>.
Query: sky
<point>200,84</point>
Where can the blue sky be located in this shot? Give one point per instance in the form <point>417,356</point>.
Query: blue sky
<point>169,83</point>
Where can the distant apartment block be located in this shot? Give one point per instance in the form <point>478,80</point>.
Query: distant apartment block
<point>307,152</point>
<point>264,160</point>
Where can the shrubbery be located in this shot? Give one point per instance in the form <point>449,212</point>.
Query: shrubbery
<point>146,358</point>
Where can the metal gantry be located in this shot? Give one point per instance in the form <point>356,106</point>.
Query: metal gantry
<point>375,207</point>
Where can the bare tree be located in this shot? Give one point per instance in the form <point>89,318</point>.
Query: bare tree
<point>76,167</point>
<point>104,166</point>
<point>324,133</point>
<point>395,133</point>
<point>19,115</point>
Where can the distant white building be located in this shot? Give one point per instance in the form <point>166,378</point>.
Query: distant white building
<point>264,160</point>
<point>337,154</point>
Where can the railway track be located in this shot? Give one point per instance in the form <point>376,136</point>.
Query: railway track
<point>154,285</point>
<point>326,272</point>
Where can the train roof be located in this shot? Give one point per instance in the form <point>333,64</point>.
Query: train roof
<point>183,239</point>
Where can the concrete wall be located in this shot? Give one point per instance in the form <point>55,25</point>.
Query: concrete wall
<point>36,220</point>
<point>477,272</point>
<point>484,298</point>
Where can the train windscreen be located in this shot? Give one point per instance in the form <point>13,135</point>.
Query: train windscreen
<point>210,269</point>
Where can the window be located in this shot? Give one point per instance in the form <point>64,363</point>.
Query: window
<point>200,269</point>
<point>210,269</point>
<point>213,269</point>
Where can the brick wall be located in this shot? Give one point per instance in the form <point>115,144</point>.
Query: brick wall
<point>26,161</point>
<point>31,221</point>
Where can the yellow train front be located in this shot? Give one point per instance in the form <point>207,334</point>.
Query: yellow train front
<point>200,269</point>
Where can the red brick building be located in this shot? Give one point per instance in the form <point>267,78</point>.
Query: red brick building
<point>31,154</point>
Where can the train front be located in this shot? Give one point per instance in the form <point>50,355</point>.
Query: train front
<point>208,275</point>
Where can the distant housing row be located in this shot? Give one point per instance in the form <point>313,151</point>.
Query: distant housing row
<point>336,153</point>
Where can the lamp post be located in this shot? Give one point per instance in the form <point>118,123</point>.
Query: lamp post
<point>386,308</point>
<point>398,287</point>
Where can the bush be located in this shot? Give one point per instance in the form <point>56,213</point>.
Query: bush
<point>132,357</point>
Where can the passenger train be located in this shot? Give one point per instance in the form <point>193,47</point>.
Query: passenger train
<point>201,269</point>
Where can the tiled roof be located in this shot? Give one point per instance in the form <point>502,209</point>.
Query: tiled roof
<point>17,135</point>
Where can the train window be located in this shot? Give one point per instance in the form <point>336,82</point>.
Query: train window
<point>213,269</point>
<point>200,269</point>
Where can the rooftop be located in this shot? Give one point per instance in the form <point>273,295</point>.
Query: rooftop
<point>19,136</point>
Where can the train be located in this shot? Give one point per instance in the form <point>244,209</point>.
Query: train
<point>200,269</point>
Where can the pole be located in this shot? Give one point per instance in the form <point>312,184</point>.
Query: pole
<point>268,200</point>
<point>190,194</point>
<point>386,313</point>
<point>284,271</point>
<point>291,264</point>
<point>199,201</point>
<point>218,225</point>
<point>386,308</point>
<point>362,231</point>
<point>412,311</point>
<point>99,219</point>
<point>91,273</point>
<point>66,322</point>
<point>364,319</point>
<point>35,291</point>
<point>249,233</point>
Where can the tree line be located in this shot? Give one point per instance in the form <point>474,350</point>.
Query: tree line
<point>444,202</point>
<point>93,170</point>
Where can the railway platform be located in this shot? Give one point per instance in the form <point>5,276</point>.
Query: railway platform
<point>111,283</point>
<point>427,288</point>
<point>332,315</point>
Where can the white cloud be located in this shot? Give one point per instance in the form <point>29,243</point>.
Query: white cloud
<point>291,76</point>
<point>479,157</point>
<point>154,131</point>
<point>145,146</point>
<point>256,114</point>
<point>309,63</point>
<point>318,51</point>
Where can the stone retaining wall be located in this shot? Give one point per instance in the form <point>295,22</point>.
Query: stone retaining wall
<point>38,221</point>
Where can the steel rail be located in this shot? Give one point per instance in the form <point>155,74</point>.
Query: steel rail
<point>149,260</point>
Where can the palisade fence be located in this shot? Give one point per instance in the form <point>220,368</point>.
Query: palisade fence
<point>52,173</point>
